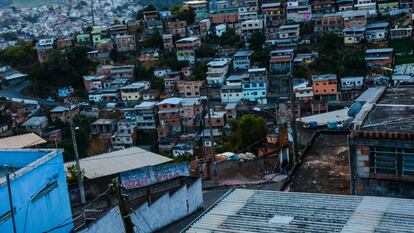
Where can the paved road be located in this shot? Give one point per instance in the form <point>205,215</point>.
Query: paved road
<point>16,92</point>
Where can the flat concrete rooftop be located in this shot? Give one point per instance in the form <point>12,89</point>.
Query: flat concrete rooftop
<point>398,96</point>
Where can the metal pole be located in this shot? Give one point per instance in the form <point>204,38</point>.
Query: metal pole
<point>10,199</point>
<point>125,214</point>
<point>213,156</point>
<point>293,111</point>
<point>78,167</point>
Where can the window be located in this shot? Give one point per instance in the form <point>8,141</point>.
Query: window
<point>392,161</point>
<point>45,190</point>
<point>332,90</point>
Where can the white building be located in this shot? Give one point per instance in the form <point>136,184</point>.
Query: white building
<point>217,70</point>
<point>186,48</point>
<point>232,91</point>
<point>133,91</point>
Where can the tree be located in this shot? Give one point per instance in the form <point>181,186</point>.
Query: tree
<point>141,73</point>
<point>170,59</point>
<point>19,56</point>
<point>256,41</point>
<point>183,14</point>
<point>154,41</point>
<point>244,133</point>
<point>199,71</point>
<point>60,70</point>
<point>115,55</point>
<point>230,38</point>
<point>261,57</point>
<point>205,51</point>
<point>140,13</point>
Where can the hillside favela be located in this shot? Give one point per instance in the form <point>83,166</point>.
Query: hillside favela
<point>206,116</point>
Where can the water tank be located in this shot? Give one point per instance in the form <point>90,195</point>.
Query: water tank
<point>313,124</point>
<point>332,124</point>
<point>354,109</point>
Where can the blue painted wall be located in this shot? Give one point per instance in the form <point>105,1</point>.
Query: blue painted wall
<point>50,210</point>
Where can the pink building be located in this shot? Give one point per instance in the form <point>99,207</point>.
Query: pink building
<point>192,111</point>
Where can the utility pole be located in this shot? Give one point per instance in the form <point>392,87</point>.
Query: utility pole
<point>213,154</point>
<point>125,214</point>
<point>10,199</point>
<point>78,167</point>
<point>92,13</point>
<point>293,111</point>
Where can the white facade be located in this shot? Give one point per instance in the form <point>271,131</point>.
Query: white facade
<point>217,70</point>
<point>133,91</point>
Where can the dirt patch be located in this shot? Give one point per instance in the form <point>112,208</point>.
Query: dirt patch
<point>325,168</point>
<point>99,145</point>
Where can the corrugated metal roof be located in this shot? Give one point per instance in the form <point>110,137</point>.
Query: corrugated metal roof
<point>245,210</point>
<point>118,161</point>
<point>21,141</point>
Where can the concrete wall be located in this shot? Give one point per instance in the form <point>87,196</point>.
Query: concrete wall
<point>151,217</point>
<point>365,183</point>
<point>48,211</point>
<point>168,209</point>
<point>231,168</point>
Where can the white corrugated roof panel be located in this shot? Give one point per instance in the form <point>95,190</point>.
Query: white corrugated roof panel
<point>21,141</point>
<point>119,161</point>
<point>246,210</point>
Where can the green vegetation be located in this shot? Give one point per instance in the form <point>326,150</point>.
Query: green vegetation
<point>256,41</point>
<point>154,41</point>
<point>184,158</point>
<point>244,133</point>
<point>82,137</point>
<point>404,60</point>
<point>336,58</point>
<point>160,4</point>
<point>60,70</point>
<point>170,60</point>
<point>179,13</point>
<point>402,45</point>
<point>140,13</point>
<point>20,57</point>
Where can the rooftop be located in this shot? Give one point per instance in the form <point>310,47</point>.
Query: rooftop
<point>192,100</point>
<point>387,110</point>
<point>236,77</point>
<point>118,161</point>
<point>35,121</point>
<point>324,77</point>
<point>103,121</point>
<point>245,210</point>
<point>230,106</point>
<point>218,63</point>
<point>173,100</point>
<point>21,141</point>
<point>243,53</point>
<point>58,109</point>
<point>147,104</point>
<point>274,4</point>
<point>384,50</point>
<point>188,39</point>
<point>24,160</point>
<point>141,84</point>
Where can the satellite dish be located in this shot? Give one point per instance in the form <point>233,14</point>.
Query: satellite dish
<point>354,109</point>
